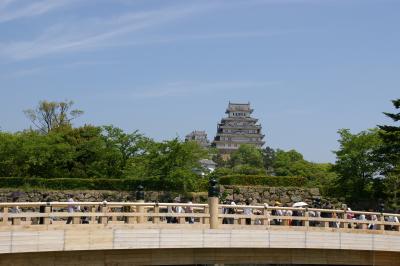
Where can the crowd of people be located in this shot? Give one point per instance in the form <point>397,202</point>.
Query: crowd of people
<point>231,208</point>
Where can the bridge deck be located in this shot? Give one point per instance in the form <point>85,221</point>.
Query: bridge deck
<point>115,227</point>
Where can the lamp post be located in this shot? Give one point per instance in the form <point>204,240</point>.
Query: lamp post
<point>140,199</point>
<point>213,197</point>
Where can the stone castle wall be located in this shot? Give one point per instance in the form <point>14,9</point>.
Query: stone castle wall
<point>256,194</point>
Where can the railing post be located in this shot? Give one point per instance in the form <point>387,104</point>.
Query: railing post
<point>140,199</point>
<point>306,221</point>
<point>16,221</point>
<point>47,210</point>
<point>104,210</point>
<point>131,219</point>
<point>156,219</point>
<point>344,217</point>
<point>325,223</point>
<point>76,220</point>
<point>206,220</point>
<point>266,221</point>
<point>382,220</point>
<point>113,218</point>
<point>93,218</point>
<point>5,216</point>
<point>213,193</point>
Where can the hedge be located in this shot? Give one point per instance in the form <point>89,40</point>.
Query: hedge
<point>129,184</point>
<point>98,184</point>
<point>257,180</point>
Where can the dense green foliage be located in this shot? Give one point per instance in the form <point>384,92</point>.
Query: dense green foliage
<point>356,164</point>
<point>249,160</point>
<point>126,184</point>
<point>98,153</point>
<point>257,180</point>
<point>82,152</point>
<point>368,165</point>
<point>389,155</point>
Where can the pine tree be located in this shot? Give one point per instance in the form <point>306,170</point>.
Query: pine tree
<point>391,138</point>
<point>390,155</point>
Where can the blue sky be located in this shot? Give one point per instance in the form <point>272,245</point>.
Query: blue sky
<point>308,67</point>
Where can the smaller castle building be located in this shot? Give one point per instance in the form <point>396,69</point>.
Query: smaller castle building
<point>200,137</point>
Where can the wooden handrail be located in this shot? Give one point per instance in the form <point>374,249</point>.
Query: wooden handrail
<point>33,213</point>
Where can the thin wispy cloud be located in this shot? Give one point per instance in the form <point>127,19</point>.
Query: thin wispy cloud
<point>13,9</point>
<point>205,36</point>
<point>35,71</point>
<point>126,29</point>
<point>93,33</point>
<point>183,88</point>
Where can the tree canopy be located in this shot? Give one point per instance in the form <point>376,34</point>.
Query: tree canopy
<point>49,115</point>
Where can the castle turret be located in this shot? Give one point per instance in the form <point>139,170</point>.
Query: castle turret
<point>198,136</point>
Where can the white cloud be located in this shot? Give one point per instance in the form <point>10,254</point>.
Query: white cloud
<point>13,9</point>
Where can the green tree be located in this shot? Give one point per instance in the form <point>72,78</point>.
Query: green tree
<point>291,163</point>
<point>119,147</point>
<point>30,153</point>
<point>49,115</point>
<point>356,165</point>
<point>247,155</point>
<point>269,157</point>
<point>173,162</point>
<point>248,159</point>
<point>389,155</point>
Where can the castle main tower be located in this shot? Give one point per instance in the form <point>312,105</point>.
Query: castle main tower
<point>237,128</point>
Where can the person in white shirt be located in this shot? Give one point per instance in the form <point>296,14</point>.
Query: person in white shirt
<point>393,219</point>
<point>189,209</point>
<point>373,226</point>
<point>248,211</point>
<point>70,209</point>
<point>177,209</point>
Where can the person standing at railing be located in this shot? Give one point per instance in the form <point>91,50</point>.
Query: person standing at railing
<point>335,224</point>
<point>169,210</point>
<point>71,207</point>
<point>42,208</point>
<point>350,216</point>
<point>177,209</point>
<point>392,219</point>
<point>296,213</point>
<point>373,226</point>
<point>248,211</point>
<point>189,209</point>
<point>15,209</point>
<point>85,219</point>
<point>277,213</point>
<point>312,214</point>
<point>225,211</point>
<point>288,213</point>
<point>361,217</point>
<point>230,210</point>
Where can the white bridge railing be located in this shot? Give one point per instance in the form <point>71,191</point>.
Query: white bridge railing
<point>192,215</point>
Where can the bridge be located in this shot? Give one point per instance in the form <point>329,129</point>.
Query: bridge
<point>142,233</point>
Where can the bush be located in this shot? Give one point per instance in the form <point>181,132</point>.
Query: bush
<point>260,180</point>
<point>130,184</point>
<point>100,184</point>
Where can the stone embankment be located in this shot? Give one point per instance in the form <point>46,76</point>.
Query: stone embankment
<point>239,194</point>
